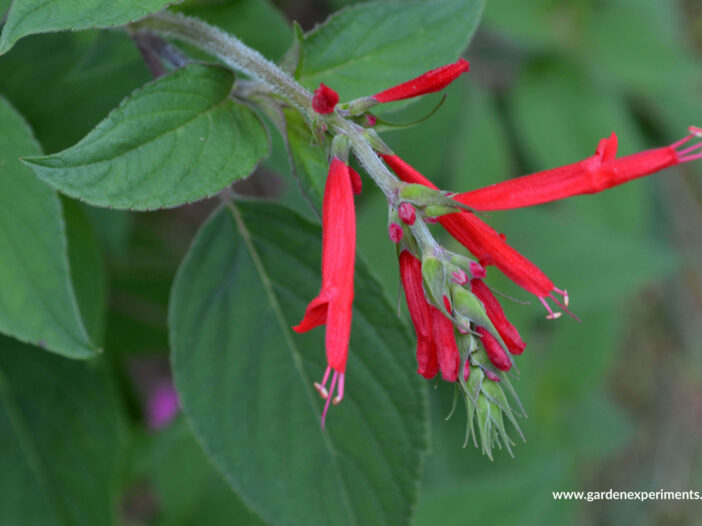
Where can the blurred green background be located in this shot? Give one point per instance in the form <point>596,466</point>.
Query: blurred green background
<point>614,402</point>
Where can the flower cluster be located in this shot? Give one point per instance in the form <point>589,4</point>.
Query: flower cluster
<point>462,330</point>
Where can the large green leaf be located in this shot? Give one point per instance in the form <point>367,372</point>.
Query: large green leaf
<point>61,437</point>
<point>369,47</point>
<point>179,139</point>
<point>37,301</point>
<point>246,381</point>
<point>27,17</point>
<point>189,489</point>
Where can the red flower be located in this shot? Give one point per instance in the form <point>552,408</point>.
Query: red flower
<point>436,344</point>
<point>493,309</point>
<point>486,244</point>
<point>589,176</point>
<point>333,304</point>
<point>431,81</point>
<point>324,100</point>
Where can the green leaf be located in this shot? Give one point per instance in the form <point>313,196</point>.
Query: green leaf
<point>369,47</point>
<point>87,268</point>
<point>37,301</point>
<point>187,486</point>
<point>27,17</point>
<point>178,139</point>
<point>246,382</point>
<point>89,73</point>
<point>61,436</point>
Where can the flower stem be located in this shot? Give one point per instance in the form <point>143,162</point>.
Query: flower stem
<point>237,55</point>
<point>230,50</point>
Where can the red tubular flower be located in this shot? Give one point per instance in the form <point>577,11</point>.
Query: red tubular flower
<point>486,244</point>
<point>411,275</point>
<point>324,100</point>
<point>589,176</point>
<point>436,342</point>
<point>445,343</point>
<point>493,309</point>
<point>431,81</point>
<point>333,304</point>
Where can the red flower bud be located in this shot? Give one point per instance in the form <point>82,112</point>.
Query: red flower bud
<point>407,213</point>
<point>324,99</point>
<point>493,309</point>
<point>356,183</point>
<point>459,276</point>
<point>334,303</point>
<point>494,350</point>
<point>395,232</point>
<point>477,270</point>
<point>431,81</point>
<point>490,375</point>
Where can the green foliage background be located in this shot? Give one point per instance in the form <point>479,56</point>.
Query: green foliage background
<point>614,402</point>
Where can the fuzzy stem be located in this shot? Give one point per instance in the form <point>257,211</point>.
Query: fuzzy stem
<point>230,50</point>
<point>239,56</point>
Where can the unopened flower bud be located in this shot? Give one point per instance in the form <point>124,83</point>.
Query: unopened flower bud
<point>407,213</point>
<point>395,232</point>
<point>491,376</point>
<point>459,276</point>
<point>324,100</point>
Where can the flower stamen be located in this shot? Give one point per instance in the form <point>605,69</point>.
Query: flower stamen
<point>551,315</point>
<point>320,387</point>
<point>339,390</point>
<point>564,293</point>
<point>684,156</point>
<point>335,377</point>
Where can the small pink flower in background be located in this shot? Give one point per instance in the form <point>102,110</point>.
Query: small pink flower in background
<point>162,405</point>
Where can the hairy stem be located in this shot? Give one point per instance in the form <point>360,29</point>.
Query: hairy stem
<point>239,56</point>
<point>232,51</point>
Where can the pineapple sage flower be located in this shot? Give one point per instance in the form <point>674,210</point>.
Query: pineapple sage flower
<point>333,304</point>
<point>451,307</point>
<point>594,174</point>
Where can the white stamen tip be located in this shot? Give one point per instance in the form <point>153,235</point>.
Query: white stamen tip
<point>554,315</point>
<point>321,390</point>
